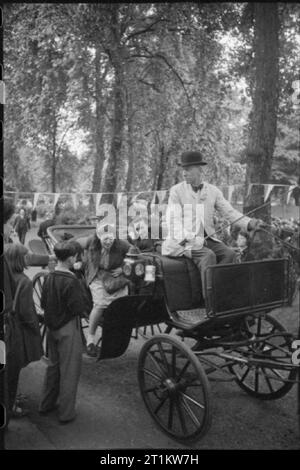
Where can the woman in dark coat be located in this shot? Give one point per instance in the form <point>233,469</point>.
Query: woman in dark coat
<point>26,346</point>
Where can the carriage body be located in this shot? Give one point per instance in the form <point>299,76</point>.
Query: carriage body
<point>233,338</point>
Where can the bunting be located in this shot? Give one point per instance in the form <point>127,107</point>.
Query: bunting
<point>56,198</point>
<point>249,189</point>
<point>155,196</point>
<point>35,200</point>
<point>74,200</point>
<point>98,199</point>
<point>268,188</point>
<point>161,195</point>
<point>119,199</point>
<point>288,197</point>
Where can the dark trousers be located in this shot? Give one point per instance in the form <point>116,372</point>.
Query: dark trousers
<point>12,373</point>
<point>224,253</point>
<point>22,236</point>
<point>63,372</point>
<point>211,254</point>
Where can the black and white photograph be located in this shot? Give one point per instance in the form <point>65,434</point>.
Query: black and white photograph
<point>151,229</point>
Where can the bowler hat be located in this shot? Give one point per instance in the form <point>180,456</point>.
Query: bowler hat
<point>191,158</point>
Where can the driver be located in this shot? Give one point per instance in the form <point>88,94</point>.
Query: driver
<point>196,238</point>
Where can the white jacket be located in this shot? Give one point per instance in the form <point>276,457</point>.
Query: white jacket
<point>204,204</point>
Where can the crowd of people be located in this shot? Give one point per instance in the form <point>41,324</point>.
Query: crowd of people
<point>88,277</point>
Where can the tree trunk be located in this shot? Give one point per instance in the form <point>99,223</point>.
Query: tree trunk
<point>118,126</point>
<point>129,177</point>
<point>263,121</point>
<point>53,160</point>
<point>160,168</point>
<point>99,134</point>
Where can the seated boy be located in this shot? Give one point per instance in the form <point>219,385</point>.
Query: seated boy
<point>63,304</point>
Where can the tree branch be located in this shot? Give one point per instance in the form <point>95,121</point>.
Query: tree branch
<point>62,139</point>
<point>152,85</point>
<point>145,30</point>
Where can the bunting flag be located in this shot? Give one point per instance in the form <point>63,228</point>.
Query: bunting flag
<point>35,200</point>
<point>249,189</point>
<point>291,188</point>
<point>75,201</point>
<point>119,198</point>
<point>230,192</point>
<point>56,198</point>
<point>268,188</point>
<point>134,197</point>
<point>98,199</point>
<point>161,195</point>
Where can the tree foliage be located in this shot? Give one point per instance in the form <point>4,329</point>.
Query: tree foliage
<point>105,97</point>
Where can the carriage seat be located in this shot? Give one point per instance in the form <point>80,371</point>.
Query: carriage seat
<point>183,287</point>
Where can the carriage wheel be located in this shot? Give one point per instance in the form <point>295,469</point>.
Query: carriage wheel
<point>38,282</point>
<point>266,382</point>
<point>174,387</point>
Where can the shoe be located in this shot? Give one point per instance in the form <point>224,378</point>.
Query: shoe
<point>91,350</point>
<point>48,410</point>
<point>18,412</point>
<point>67,421</point>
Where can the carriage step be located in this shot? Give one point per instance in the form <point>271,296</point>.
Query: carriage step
<point>192,316</point>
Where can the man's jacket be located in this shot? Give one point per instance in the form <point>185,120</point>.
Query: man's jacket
<point>209,199</point>
<point>117,254</point>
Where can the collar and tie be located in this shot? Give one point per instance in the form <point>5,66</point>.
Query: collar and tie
<point>197,188</point>
<point>104,260</point>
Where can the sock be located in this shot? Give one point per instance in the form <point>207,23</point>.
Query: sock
<point>90,339</point>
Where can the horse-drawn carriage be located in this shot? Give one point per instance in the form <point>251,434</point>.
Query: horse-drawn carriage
<point>233,338</point>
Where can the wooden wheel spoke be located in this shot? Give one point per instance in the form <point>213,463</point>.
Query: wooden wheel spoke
<point>259,326</point>
<point>281,348</point>
<point>192,400</point>
<point>171,413</point>
<point>256,379</point>
<point>267,380</point>
<point>181,416</point>
<point>245,374</point>
<point>275,371</point>
<point>184,368</point>
<point>152,374</point>
<point>157,365</point>
<point>164,358</point>
<point>190,412</point>
<point>162,402</point>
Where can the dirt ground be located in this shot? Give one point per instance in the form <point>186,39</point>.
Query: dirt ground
<point>111,413</point>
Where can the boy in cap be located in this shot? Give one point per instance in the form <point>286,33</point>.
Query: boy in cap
<point>63,303</point>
